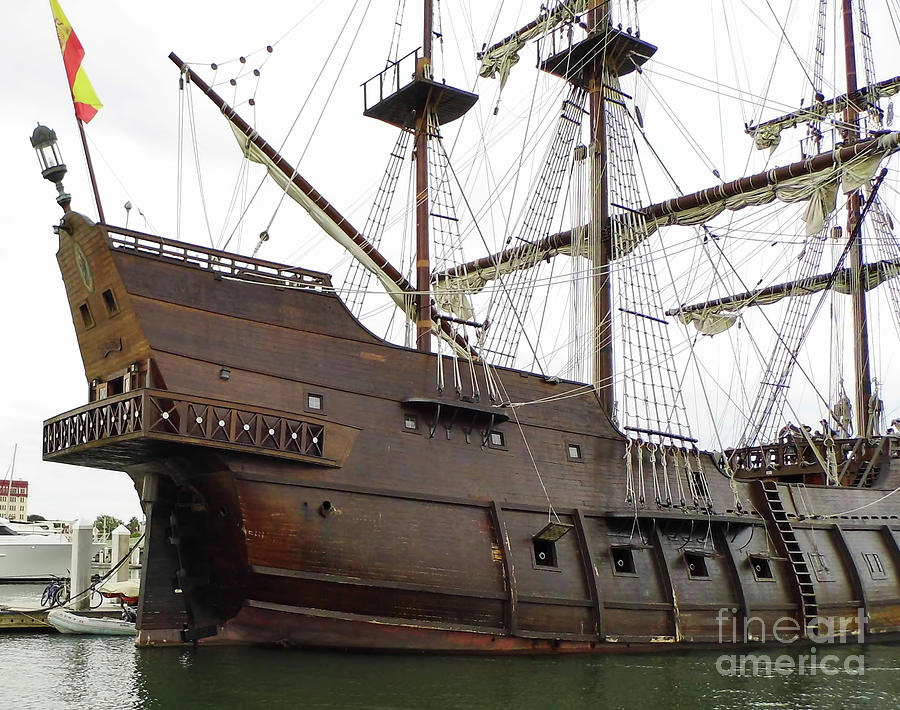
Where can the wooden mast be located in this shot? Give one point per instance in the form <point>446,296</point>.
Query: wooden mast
<point>423,260</point>
<point>602,377</point>
<point>860,317</point>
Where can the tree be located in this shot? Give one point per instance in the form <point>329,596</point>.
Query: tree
<point>107,523</point>
<point>134,526</point>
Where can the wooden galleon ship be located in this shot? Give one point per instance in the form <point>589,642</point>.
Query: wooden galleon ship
<point>309,483</point>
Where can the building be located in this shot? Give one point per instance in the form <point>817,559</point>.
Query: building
<point>14,500</point>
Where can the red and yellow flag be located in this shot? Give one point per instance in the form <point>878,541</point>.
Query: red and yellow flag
<point>86,102</point>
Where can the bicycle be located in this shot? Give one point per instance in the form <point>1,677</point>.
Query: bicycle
<point>56,593</point>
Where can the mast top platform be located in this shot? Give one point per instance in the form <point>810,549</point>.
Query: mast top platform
<point>400,93</point>
<point>619,51</point>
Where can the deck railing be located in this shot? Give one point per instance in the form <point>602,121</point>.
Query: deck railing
<point>217,261</point>
<point>162,415</point>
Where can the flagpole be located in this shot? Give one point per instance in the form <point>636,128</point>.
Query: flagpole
<point>90,167</point>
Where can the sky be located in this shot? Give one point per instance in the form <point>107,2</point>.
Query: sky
<point>134,141</point>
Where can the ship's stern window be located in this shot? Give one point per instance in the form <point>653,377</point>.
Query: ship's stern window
<point>623,561</point>
<point>497,440</point>
<point>696,565</point>
<point>410,422</point>
<point>762,568</point>
<point>573,451</point>
<point>315,402</point>
<point>86,318</point>
<point>109,300</point>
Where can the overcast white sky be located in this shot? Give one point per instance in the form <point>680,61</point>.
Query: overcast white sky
<point>134,140</point>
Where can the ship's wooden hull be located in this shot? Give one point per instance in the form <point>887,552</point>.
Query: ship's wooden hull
<point>308,484</point>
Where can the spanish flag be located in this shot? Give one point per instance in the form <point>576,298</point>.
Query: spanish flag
<point>86,102</point>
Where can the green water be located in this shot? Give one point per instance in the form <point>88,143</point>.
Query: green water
<point>52,671</point>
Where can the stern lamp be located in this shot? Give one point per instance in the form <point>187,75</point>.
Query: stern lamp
<point>43,140</point>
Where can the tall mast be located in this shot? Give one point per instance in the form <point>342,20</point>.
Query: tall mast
<point>860,318</point>
<point>598,22</point>
<point>423,260</point>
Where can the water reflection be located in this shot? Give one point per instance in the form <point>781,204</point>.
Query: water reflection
<point>56,671</point>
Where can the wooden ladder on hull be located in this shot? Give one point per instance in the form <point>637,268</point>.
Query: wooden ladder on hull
<point>809,607</point>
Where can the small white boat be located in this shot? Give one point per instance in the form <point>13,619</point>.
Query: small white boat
<point>69,622</point>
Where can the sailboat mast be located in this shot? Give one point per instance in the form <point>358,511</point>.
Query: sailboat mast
<point>598,21</point>
<point>423,260</point>
<point>856,262</point>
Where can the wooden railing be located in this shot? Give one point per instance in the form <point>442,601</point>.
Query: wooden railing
<point>390,80</point>
<point>215,260</point>
<point>162,415</point>
<point>798,457</point>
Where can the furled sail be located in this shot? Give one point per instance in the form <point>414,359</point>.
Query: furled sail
<point>768,133</point>
<point>501,57</point>
<point>718,315</point>
<point>395,285</point>
<point>815,180</point>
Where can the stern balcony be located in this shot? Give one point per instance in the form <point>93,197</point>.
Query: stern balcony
<point>139,426</point>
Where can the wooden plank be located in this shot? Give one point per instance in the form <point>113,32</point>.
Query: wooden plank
<point>852,568</point>
<point>511,620</point>
<point>372,583</point>
<point>735,575</point>
<point>666,575</point>
<point>590,573</point>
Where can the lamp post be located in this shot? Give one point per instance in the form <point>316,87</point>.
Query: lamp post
<point>43,140</point>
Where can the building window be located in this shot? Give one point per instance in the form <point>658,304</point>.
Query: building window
<point>544,553</point>
<point>109,300</point>
<point>573,451</point>
<point>696,565</point>
<point>497,440</point>
<point>623,561</point>
<point>876,568</point>
<point>86,316</point>
<point>762,568</point>
<point>410,421</point>
<point>315,402</point>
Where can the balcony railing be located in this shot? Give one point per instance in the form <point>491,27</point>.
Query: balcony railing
<point>168,416</point>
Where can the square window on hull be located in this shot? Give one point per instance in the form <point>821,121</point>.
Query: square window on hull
<point>696,565</point>
<point>315,402</point>
<point>544,553</point>
<point>762,568</point>
<point>623,561</point>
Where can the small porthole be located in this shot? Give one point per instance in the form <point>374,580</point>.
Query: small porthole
<point>622,560</point>
<point>544,553</point>
<point>109,300</point>
<point>411,422</point>
<point>696,565</point>
<point>574,452</point>
<point>315,402</point>
<point>762,568</point>
<point>86,316</point>
<point>497,439</point>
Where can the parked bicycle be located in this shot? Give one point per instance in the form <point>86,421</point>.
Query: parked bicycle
<point>56,593</point>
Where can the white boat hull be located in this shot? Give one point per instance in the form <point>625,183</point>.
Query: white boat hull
<point>67,622</point>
